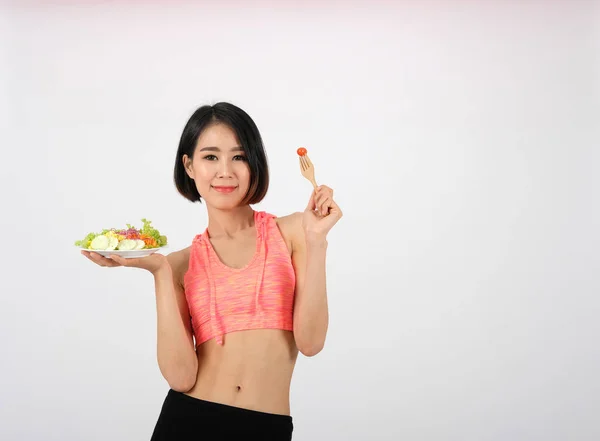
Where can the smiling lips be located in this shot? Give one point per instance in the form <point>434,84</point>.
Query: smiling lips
<point>224,189</point>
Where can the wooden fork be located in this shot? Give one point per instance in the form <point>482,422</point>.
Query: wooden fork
<point>308,170</point>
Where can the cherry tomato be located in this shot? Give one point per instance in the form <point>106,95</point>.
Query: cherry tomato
<point>301,151</point>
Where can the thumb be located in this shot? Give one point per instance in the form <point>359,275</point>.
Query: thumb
<point>311,202</point>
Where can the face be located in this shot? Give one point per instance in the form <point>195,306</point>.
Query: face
<point>219,167</point>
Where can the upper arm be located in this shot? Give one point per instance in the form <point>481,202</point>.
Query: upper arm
<point>298,250</point>
<point>295,232</point>
<point>290,227</point>
<point>179,264</point>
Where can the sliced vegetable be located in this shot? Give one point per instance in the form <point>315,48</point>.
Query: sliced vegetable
<point>127,244</point>
<point>124,239</point>
<point>99,243</point>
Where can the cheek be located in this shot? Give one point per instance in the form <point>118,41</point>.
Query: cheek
<point>202,170</point>
<point>245,175</point>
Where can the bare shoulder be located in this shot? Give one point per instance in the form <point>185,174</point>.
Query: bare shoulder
<point>290,220</point>
<point>178,260</point>
<point>291,228</point>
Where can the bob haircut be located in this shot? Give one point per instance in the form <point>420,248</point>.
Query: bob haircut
<point>248,136</point>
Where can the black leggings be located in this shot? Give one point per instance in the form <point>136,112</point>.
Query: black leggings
<point>187,418</point>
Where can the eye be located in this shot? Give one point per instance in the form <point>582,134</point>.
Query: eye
<point>239,158</point>
<point>210,157</point>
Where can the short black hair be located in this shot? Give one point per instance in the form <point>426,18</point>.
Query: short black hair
<point>248,136</point>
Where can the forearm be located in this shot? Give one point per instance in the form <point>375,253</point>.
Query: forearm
<point>175,348</point>
<point>312,318</point>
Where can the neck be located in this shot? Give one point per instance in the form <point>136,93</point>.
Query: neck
<point>229,223</point>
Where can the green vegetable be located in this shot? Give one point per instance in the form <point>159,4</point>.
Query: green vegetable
<point>85,243</point>
<point>147,229</point>
<point>153,232</point>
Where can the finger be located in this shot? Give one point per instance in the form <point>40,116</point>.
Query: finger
<point>334,209</point>
<point>332,218</point>
<point>311,203</point>
<point>325,188</point>
<point>88,254</point>
<point>101,260</point>
<point>324,192</point>
<point>319,199</point>
<point>94,257</point>
<point>122,261</point>
<point>116,259</point>
<point>324,206</point>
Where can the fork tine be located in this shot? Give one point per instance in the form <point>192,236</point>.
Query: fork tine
<point>307,169</point>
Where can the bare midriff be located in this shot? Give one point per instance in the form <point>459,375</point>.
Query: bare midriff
<point>252,370</point>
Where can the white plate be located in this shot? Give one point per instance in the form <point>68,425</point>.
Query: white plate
<point>127,254</point>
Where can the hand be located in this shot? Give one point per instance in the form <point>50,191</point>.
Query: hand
<point>153,263</point>
<point>321,213</point>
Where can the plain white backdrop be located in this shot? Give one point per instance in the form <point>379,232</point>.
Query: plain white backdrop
<point>459,139</point>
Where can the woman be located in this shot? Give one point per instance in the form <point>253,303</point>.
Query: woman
<point>235,307</point>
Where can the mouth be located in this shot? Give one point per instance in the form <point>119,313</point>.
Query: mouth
<point>223,188</point>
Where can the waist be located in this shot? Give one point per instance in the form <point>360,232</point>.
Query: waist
<point>252,370</point>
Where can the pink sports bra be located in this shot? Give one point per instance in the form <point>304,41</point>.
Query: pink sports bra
<point>222,299</point>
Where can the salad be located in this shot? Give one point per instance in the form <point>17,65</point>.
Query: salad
<point>127,239</point>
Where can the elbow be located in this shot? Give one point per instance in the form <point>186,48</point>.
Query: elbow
<point>182,384</point>
<point>181,378</point>
<point>309,341</point>
<point>311,349</point>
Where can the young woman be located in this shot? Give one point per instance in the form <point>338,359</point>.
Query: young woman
<point>235,307</point>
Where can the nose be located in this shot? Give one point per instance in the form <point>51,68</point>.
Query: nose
<point>224,170</point>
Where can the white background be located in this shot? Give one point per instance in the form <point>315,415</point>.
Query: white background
<point>458,137</point>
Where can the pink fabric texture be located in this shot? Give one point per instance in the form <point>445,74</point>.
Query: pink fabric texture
<point>222,299</point>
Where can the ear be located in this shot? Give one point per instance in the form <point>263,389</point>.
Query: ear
<point>187,164</point>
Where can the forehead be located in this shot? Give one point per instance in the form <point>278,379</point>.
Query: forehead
<point>217,135</point>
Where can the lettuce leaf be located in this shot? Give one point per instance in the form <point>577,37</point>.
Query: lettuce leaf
<point>85,242</point>
<point>149,230</point>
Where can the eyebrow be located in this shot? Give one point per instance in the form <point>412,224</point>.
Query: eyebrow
<point>217,149</point>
